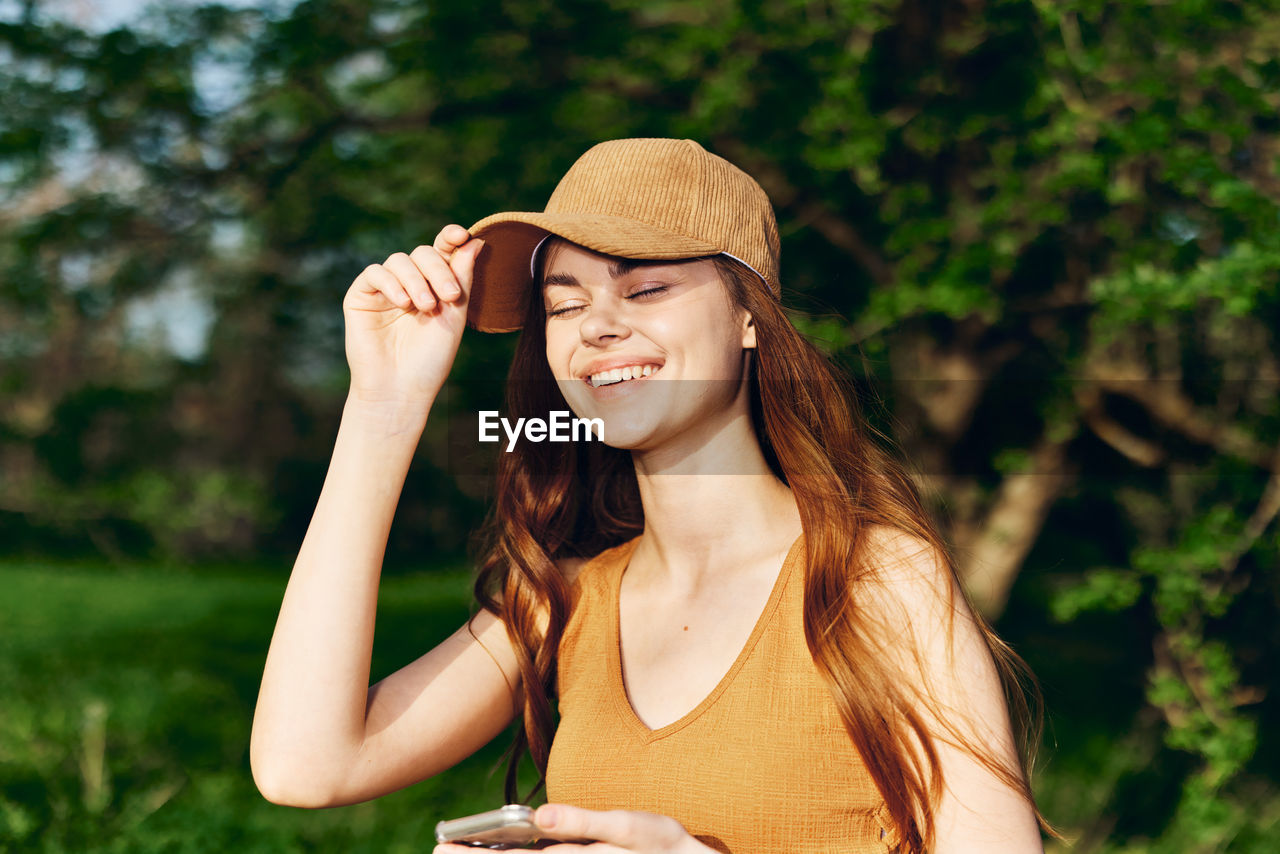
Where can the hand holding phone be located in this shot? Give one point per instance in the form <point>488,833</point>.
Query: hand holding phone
<point>514,826</point>
<point>511,826</point>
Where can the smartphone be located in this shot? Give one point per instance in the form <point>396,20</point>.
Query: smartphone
<point>508,827</point>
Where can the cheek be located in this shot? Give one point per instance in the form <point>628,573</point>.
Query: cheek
<point>726,349</point>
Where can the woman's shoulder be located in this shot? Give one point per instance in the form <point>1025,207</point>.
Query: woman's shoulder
<point>903,556</point>
<point>910,580</point>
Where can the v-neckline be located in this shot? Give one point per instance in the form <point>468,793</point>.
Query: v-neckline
<point>617,678</point>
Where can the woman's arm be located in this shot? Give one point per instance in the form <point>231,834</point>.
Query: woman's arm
<point>978,812</point>
<point>321,736</point>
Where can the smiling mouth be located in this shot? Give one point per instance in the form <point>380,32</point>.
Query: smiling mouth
<point>621,375</point>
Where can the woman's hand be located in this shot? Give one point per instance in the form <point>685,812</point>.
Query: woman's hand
<point>615,832</point>
<point>405,316</point>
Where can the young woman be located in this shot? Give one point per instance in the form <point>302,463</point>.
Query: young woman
<point>756,639</point>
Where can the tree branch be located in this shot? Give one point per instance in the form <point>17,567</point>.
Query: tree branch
<point>1166,403</point>
<point>1263,515</point>
<point>1136,449</point>
<point>990,564</point>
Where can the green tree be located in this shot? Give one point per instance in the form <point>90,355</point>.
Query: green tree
<point>1042,234</point>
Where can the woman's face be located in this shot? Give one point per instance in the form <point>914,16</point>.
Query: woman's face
<point>668,325</point>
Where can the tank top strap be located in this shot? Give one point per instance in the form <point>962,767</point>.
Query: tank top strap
<point>597,575</point>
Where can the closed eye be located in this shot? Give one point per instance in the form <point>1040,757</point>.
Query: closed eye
<point>657,289</point>
<point>647,293</point>
<point>562,311</point>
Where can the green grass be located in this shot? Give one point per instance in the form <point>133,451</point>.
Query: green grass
<point>126,698</point>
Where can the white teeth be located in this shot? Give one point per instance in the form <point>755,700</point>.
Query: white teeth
<point>618,375</point>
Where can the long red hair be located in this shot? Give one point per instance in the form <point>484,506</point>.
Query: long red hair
<point>558,500</point>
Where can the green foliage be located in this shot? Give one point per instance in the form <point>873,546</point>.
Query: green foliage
<point>1194,681</point>
<point>1102,589</point>
<point>204,508</point>
<point>1047,225</point>
<point>1236,282</point>
<point>180,513</point>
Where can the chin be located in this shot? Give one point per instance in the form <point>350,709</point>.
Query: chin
<point>642,418</point>
<point>631,436</point>
<point>624,411</point>
<point>625,428</point>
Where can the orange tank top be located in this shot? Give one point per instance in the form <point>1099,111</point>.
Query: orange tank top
<point>763,763</point>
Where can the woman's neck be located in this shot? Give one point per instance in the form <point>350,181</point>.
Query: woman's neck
<point>719,506</point>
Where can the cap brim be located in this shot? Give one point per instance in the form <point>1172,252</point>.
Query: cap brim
<point>502,278</point>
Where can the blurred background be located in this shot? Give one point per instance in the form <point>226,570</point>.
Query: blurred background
<point>1042,235</point>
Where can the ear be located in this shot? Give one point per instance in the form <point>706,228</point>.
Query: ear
<point>748,331</point>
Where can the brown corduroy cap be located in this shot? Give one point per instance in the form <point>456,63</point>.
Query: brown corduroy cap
<point>653,199</point>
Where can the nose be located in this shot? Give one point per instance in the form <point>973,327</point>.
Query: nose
<point>603,322</point>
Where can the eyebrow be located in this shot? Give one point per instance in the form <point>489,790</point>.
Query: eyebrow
<point>618,267</point>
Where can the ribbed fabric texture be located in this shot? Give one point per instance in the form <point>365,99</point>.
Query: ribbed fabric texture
<point>680,187</point>
<point>763,764</point>
<point>659,199</point>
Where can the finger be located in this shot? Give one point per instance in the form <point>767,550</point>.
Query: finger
<point>463,263</point>
<point>411,277</point>
<point>568,822</point>
<point>376,279</point>
<point>438,273</point>
<point>450,238</point>
<point>624,828</point>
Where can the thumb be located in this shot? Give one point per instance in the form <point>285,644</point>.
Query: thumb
<point>569,822</point>
<point>636,831</point>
